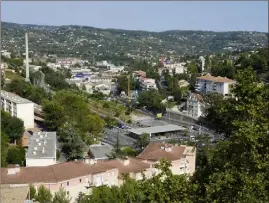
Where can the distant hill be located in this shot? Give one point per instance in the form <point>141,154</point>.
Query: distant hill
<point>84,41</point>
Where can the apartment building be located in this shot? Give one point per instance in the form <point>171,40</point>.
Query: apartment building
<point>220,85</point>
<point>42,149</point>
<point>147,83</point>
<point>18,107</point>
<point>182,157</point>
<point>195,105</point>
<point>80,176</point>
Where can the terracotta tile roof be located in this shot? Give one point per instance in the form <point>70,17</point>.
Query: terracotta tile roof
<point>216,79</point>
<point>156,151</point>
<point>134,165</point>
<point>52,174</point>
<point>197,96</point>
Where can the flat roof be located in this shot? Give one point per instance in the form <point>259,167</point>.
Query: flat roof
<point>157,129</point>
<point>14,98</point>
<point>42,145</point>
<point>14,194</point>
<point>100,151</point>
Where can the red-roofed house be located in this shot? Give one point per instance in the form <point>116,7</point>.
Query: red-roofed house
<point>182,157</point>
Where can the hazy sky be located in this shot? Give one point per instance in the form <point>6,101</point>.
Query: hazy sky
<point>139,15</point>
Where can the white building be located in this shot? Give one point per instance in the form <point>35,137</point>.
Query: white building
<point>147,83</point>
<point>18,107</point>
<point>220,85</point>
<point>42,149</point>
<point>195,105</point>
<point>5,53</point>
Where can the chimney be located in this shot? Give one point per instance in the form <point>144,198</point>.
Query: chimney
<point>125,161</point>
<point>26,58</point>
<point>13,169</point>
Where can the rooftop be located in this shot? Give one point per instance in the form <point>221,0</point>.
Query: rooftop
<point>127,166</point>
<point>14,194</point>
<point>216,79</point>
<point>197,96</point>
<point>14,98</point>
<point>53,173</point>
<point>156,151</point>
<point>42,145</point>
<point>157,129</point>
<point>99,151</point>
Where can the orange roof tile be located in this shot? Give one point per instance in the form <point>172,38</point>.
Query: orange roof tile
<point>156,151</point>
<point>216,79</point>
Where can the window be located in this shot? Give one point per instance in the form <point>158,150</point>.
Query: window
<point>67,192</point>
<point>61,185</point>
<point>67,183</point>
<point>80,180</point>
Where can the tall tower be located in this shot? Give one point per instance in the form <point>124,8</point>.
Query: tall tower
<point>26,58</point>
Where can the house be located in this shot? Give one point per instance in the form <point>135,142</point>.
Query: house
<point>183,83</point>
<point>147,83</point>
<point>14,194</point>
<point>209,84</point>
<point>18,107</point>
<point>138,74</point>
<point>195,105</point>
<point>42,149</point>
<point>182,157</point>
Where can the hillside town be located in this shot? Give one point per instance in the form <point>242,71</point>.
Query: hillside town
<point>172,127</point>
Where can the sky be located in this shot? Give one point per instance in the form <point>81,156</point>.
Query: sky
<point>142,15</point>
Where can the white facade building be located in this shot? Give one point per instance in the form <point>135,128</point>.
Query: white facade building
<point>42,149</point>
<point>195,105</point>
<point>147,83</point>
<point>220,85</point>
<point>18,107</point>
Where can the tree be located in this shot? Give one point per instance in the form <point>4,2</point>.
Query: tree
<point>237,170</point>
<point>142,141</point>
<point>16,155</point>
<point>72,144</point>
<point>13,127</point>
<point>152,100</point>
<point>43,195</point>
<point>4,149</point>
<point>54,115</point>
<point>61,197</point>
<point>32,192</point>
<point>177,95</point>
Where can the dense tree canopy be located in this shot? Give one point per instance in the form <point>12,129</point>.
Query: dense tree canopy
<point>13,127</point>
<point>152,100</point>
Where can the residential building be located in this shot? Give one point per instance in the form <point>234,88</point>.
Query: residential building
<point>182,157</point>
<point>78,176</point>
<point>74,177</point>
<point>138,74</point>
<point>5,53</point>
<point>195,105</point>
<point>42,149</point>
<point>101,79</point>
<point>220,85</point>
<point>183,83</point>
<point>147,83</point>
<point>18,107</point>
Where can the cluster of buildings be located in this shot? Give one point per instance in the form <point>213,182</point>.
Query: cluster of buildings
<point>81,176</point>
<point>207,84</point>
<point>144,82</point>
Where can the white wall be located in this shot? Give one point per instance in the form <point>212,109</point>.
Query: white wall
<point>26,113</point>
<point>40,162</point>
